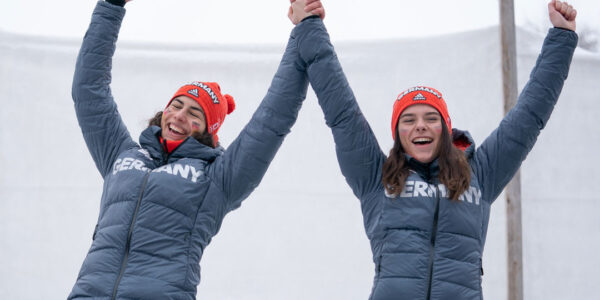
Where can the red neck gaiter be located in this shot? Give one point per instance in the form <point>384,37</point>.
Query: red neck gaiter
<point>168,145</point>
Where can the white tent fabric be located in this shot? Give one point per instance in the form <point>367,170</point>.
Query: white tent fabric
<point>300,234</point>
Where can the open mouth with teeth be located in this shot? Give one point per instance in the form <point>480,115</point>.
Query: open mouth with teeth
<point>422,141</point>
<point>176,130</point>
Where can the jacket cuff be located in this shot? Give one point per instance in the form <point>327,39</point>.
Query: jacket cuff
<point>110,11</point>
<point>310,17</point>
<point>563,28</point>
<point>566,36</point>
<point>120,3</point>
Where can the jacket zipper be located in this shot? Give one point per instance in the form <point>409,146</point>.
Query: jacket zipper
<point>432,242</point>
<point>129,233</point>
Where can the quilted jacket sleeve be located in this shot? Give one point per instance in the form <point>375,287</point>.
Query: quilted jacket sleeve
<point>103,130</point>
<point>359,155</point>
<point>501,154</point>
<point>241,168</point>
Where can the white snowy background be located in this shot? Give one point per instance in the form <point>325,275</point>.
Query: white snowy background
<point>300,234</point>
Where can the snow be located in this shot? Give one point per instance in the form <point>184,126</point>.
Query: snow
<point>300,234</point>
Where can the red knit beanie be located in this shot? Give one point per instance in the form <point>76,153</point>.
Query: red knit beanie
<point>420,95</point>
<point>215,105</point>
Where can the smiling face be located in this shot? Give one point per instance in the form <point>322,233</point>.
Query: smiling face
<point>181,118</point>
<point>420,128</point>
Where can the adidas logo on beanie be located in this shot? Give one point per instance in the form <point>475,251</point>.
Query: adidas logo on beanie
<point>419,95</point>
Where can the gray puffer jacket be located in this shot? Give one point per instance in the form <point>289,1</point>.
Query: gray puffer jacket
<point>424,245</point>
<point>158,212</point>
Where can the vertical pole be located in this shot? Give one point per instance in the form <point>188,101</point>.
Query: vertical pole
<point>513,189</point>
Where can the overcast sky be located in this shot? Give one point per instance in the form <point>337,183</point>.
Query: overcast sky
<point>265,21</point>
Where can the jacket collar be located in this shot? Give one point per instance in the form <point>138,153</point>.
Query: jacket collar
<point>427,171</point>
<point>189,148</point>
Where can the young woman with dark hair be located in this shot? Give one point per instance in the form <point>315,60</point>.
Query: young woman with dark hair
<point>165,198</point>
<point>426,206</point>
<point>454,172</point>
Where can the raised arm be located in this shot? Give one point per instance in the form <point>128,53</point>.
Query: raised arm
<point>502,153</point>
<point>243,165</point>
<point>358,152</point>
<point>103,130</point>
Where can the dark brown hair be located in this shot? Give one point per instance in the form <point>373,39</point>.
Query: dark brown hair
<point>455,172</point>
<point>204,138</point>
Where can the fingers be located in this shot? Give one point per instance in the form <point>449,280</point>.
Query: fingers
<point>573,15</point>
<point>315,7</point>
<point>552,6</point>
<point>565,9</point>
<point>319,12</point>
<point>300,9</point>
<point>562,14</point>
<point>568,12</point>
<point>312,4</point>
<point>558,5</point>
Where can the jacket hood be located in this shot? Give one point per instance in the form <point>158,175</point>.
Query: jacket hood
<point>462,140</point>
<point>189,148</point>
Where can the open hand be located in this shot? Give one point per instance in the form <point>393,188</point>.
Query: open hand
<point>562,14</point>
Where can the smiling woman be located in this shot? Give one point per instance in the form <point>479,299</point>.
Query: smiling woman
<point>165,197</point>
<point>197,109</point>
<point>183,117</point>
<point>421,128</point>
<point>426,205</point>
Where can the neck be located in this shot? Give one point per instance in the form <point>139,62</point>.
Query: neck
<point>424,169</point>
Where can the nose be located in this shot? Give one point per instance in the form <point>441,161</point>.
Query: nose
<point>420,125</point>
<point>180,115</point>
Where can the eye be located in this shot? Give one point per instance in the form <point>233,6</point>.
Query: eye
<point>407,120</point>
<point>195,115</point>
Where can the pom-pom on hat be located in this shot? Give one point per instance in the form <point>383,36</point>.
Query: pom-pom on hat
<point>214,104</point>
<point>419,95</point>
